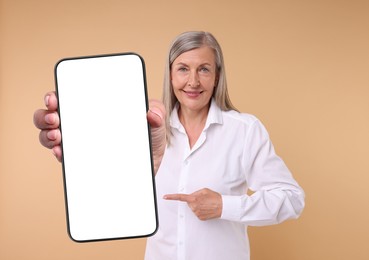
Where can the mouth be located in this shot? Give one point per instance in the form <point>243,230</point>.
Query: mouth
<point>193,94</point>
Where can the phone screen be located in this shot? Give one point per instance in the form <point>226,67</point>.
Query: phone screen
<point>107,160</point>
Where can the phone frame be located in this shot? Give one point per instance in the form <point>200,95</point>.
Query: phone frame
<point>62,147</point>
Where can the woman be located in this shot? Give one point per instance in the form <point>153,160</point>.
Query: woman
<point>207,155</point>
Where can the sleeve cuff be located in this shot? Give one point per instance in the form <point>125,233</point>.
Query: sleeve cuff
<point>231,208</point>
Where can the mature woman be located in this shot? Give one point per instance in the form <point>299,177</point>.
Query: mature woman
<point>207,155</point>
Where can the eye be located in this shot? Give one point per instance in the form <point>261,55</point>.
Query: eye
<point>204,69</point>
<point>182,69</point>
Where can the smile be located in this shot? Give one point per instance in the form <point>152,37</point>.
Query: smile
<point>193,94</point>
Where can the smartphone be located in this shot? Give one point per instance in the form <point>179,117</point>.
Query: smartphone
<point>107,160</point>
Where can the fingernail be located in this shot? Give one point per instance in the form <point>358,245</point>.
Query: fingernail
<point>47,100</point>
<point>50,118</point>
<point>51,134</point>
<point>54,153</point>
<point>156,112</point>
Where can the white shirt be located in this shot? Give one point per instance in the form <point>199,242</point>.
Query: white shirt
<point>233,154</point>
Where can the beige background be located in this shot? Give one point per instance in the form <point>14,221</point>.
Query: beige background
<point>301,66</point>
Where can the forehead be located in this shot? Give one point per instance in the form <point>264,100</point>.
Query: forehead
<point>197,56</point>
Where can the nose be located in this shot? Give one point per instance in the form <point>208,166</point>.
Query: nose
<point>193,80</point>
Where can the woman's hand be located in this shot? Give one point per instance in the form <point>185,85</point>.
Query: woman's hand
<point>47,120</point>
<point>205,203</point>
<point>156,119</point>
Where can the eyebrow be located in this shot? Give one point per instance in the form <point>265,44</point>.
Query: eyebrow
<point>184,64</point>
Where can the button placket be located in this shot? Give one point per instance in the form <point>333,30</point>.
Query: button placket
<point>182,209</point>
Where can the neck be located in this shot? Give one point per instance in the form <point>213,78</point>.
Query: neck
<point>191,118</point>
<point>193,122</point>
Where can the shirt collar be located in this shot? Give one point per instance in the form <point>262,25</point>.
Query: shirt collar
<point>214,116</point>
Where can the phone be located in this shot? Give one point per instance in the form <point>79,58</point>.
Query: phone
<point>107,160</point>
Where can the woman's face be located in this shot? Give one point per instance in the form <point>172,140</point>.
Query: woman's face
<point>193,76</point>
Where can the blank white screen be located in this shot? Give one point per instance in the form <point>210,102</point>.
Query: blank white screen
<point>106,150</point>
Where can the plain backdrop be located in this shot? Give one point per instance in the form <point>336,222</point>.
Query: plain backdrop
<point>302,67</point>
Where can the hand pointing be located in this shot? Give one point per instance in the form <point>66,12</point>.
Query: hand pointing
<point>205,203</point>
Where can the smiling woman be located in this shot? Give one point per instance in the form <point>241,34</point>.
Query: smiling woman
<point>204,208</point>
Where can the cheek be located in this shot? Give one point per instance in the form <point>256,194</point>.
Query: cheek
<point>177,82</point>
<point>176,86</point>
<point>212,91</point>
<point>209,83</point>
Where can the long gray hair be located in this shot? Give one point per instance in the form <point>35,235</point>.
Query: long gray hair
<point>185,42</point>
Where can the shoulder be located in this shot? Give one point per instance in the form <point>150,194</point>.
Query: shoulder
<point>247,123</point>
<point>245,126</point>
<point>236,117</point>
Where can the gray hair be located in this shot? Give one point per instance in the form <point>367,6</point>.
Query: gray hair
<point>185,42</point>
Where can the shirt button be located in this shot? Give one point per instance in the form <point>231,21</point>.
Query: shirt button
<point>186,162</point>
<point>180,243</point>
<point>181,216</point>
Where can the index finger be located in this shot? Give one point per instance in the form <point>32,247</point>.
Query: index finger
<point>178,196</point>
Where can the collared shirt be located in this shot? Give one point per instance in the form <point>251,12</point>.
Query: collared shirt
<point>232,154</point>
